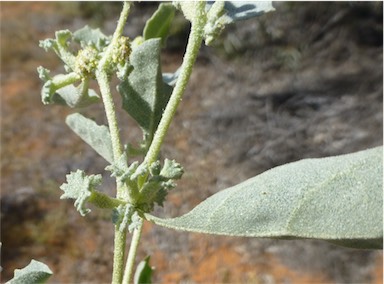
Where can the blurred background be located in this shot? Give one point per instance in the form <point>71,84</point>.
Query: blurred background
<point>303,81</point>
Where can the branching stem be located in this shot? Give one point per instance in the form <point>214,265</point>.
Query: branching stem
<point>194,43</point>
<point>104,83</point>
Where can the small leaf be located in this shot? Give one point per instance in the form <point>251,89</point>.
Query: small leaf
<point>98,137</point>
<point>80,186</point>
<point>160,22</point>
<point>91,37</point>
<point>143,274</point>
<point>337,199</point>
<point>125,216</point>
<point>171,170</point>
<point>60,46</point>
<point>48,92</point>
<point>34,272</point>
<point>144,93</point>
<point>76,97</point>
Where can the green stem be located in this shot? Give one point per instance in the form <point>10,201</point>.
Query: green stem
<point>118,255</point>
<point>194,43</point>
<point>109,105</point>
<point>132,254</point>
<point>117,34</point>
<point>104,81</point>
<point>60,81</point>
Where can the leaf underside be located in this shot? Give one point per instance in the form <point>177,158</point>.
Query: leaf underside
<point>336,199</point>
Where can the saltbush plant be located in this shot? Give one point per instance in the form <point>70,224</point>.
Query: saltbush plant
<point>335,199</point>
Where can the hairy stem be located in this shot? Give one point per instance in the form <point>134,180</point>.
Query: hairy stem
<point>193,46</point>
<point>194,43</point>
<point>132,254</point>
<point>103,80</point>
<point>110,112</point>
<point>104,83</point>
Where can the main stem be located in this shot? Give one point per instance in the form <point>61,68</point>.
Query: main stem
<point>104,83</point>
<point>193,46</point>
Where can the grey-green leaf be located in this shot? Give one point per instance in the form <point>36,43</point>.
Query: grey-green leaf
<point>34,272</point>
<point>144,93</point>
<point>97,136</point>
<point>76,97</point>
<point>87,36</point>
<point>337,199</point>
<point>160,22</point>
<point>79,186</point>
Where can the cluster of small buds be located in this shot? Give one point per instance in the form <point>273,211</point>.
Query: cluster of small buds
<point>86,61</point>
<point>121,51</point>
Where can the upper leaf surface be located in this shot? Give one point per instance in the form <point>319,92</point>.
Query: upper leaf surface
<point>337,199</point>
<point>34,272</point>
<point>144,93</point>
<point>160,22</point>
<point>98,137</point>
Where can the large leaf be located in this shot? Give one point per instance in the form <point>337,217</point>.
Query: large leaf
<point>34,272</point>
<point>144,93</point>
<point>160,22</point>
<point>97,136</point>
<point>337,199</point>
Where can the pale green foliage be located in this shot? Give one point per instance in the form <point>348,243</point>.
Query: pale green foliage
<point>97,136</point>
<point>144,93</point>
<point>125,217</point>
<point>35,272</point>
<point>80,187</point>
<point>60,46</point>
<point>81,67</point>
<point>160,22</point>
<point>147,185</point>
<point>171,170</point>
<point>337,199</point>
<point>91,37</point>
